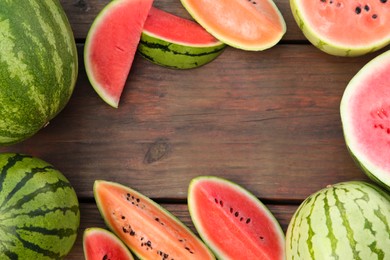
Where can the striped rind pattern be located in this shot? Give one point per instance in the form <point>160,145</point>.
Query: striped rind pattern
<point>175,55</point>
<point>349,220</point>
<point>38,66</point>
<point>39,210</point>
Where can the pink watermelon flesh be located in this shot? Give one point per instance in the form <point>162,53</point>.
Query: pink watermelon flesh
<point>349,22</point>
<point>233,222</point>
<point>111,45</point>
<point>176,29</point>
<point>365,110</point>
<point>101,244</point>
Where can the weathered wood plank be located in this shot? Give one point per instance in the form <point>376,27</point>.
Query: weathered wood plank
<point>267,120</point>
<point>82,12</point>
<point>90,217</point>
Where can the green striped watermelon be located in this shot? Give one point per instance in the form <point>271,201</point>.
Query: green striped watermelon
<point>175,42</point>
<point>39,210</point>
<point>38,66</point>
<point>349,220</point>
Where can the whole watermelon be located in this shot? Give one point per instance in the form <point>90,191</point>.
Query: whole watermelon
<point>39,210</point>
<point>38,66</point>
<point>349,220</point>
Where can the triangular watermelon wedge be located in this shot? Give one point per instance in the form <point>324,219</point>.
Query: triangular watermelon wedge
<point>111,45</point>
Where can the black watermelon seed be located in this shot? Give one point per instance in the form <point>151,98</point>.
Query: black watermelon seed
<point>367,8</point>
<point>358,10</point>
<point>374,16</point>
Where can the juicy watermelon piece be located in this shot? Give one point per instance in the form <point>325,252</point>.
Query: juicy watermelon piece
<point>248,25</point>
<point>111,45</point>
<point>232,221</point>
<point>39,210</point>
<point>99,244</point>
<point>175,42</point>
<point>365,116</point>
<point>349,220</point>
<point>150,231</point>
<point>344,27</point>
<point>38,66</point>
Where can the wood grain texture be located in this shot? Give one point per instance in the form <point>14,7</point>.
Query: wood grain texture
<point>267,120</point>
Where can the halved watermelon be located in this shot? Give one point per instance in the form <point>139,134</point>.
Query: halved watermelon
<point>344,27</point>
<point>150,231</point>
<point>365,116</point>
<point>245,24</point>
<point>111,45</point>
<point>175,42</point>
<point>233,222</point>
<point>99,244</point>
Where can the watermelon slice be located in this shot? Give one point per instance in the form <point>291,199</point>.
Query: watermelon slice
<point>344,27</point>
<point>99,244</point>
<point>365,116</point>
<point>233,222</point>
<point>111,45</point>
<point>245,24</point>
<point>149,230</point>
<point>175,42</point>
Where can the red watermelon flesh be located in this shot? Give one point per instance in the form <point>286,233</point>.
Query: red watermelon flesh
<point>365,116</point>
<point>111,45</point>
<point>232,221</point>
<point>177,29</point>
<point>99,244</point>
<point>348,22</point>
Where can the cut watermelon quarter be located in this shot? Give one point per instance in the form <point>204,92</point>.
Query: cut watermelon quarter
<point>365,116</point>
<point>171,41</point>
<point>244,24</point>
<point>232,221</point>
<point>344,27</point>
<point>111,45</point>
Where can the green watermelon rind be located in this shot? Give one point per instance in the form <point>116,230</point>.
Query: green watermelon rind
<point>330,47</point>
<point>305,230</point>
<point>153,203</point>
<point>38,66</point>
<point>374,172</point>
<point>114,240</point>
<point>39,209</point>
<point>218,252</point>
<point>177,55</point>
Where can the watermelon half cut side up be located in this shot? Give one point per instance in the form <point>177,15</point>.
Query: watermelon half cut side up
<point>365,116</point>
<point>344,27</point>
<point>149,230</point>
<point>171,41</point>
<point>232,221</point>
<point>111,45</point>
<point>248,25</point>
<point>99,244</point>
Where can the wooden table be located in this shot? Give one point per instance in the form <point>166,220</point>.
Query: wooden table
<point>267,120</point>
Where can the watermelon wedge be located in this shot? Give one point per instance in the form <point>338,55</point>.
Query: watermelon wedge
<point>111,45</point>
<point>99,244</point>
<point>365,116</point>
<point>232,221</point>
<point>244,24</point>
<point>344,27</point>
<point>175,42</point>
